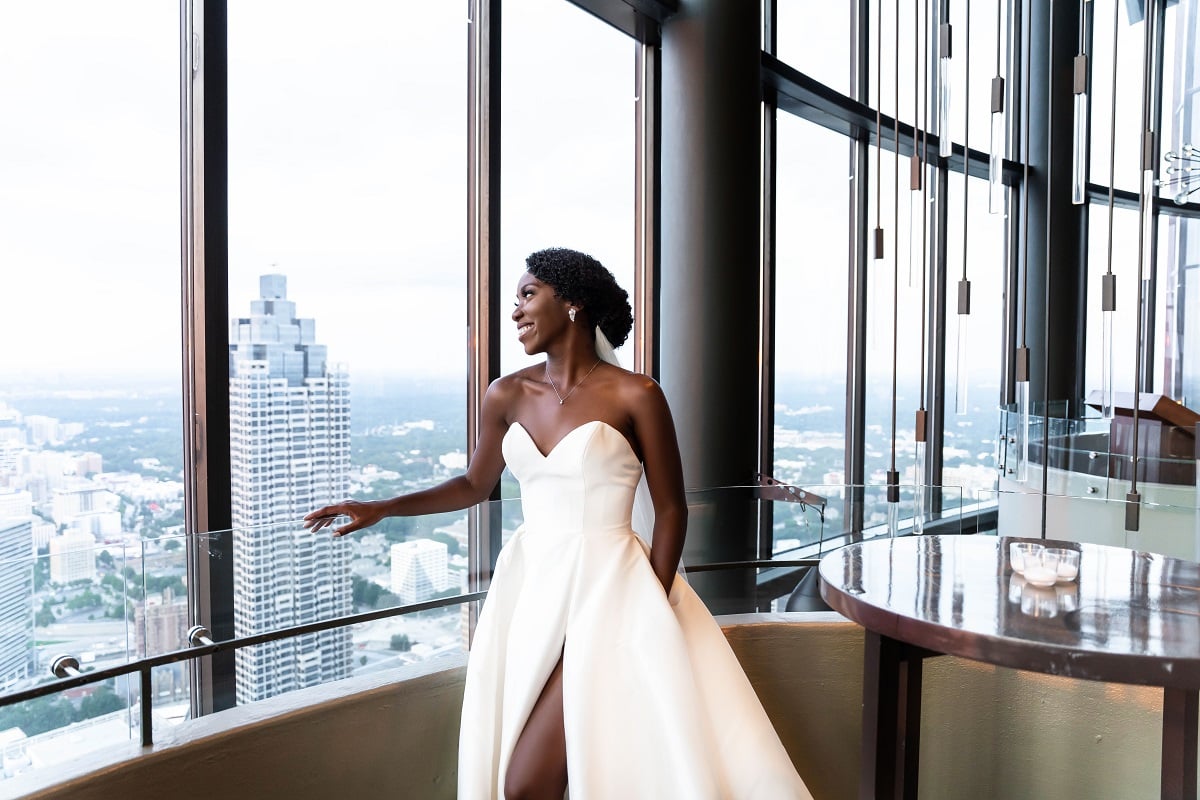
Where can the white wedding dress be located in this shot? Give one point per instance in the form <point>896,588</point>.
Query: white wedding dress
<point>655,705</point>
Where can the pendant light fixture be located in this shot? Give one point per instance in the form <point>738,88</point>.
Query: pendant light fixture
<point>893,475</point>
<point>920,437</point>
<point>1133,500</point>
<point>1108,284</point>
<point>1079,124</point>
<point>878,239</point>
<point>1021,356</point>
<point>964,285</point>
<point>996,145</point>
<point>944,52</point>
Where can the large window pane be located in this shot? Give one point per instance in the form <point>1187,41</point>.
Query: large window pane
<point>1127,93</point>
<point>347,203</point>
<point>1181,95</point>
<point>90,352</point>
<point>894,323</point>
<point>567,146</point>
<point>811,294</point>
<point>972,422</point>
<point>1124,265</point>
<point>815,38</point>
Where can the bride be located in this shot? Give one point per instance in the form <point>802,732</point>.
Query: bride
<point>593,662</point>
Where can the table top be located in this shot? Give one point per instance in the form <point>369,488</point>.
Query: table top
<point>1128,617</point>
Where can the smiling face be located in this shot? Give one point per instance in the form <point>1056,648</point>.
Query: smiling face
<point>539,314</point>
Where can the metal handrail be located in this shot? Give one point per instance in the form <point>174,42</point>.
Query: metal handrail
<point>145,665</point>
<point>206,647</point>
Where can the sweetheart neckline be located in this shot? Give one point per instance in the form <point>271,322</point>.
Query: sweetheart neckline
<point>546,455</point>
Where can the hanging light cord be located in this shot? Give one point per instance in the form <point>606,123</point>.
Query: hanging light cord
<point>1047,273</point>
<point>1028,14</point>
<point>896,233</point>
<point>1112,134</point>
<point>966,131</point>
<point>921,102</point>
<point>878,115</point>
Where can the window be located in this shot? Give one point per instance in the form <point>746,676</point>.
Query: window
<point>347,212</point>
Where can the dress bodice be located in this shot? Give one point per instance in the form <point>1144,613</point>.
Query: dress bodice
<point>586,481</point>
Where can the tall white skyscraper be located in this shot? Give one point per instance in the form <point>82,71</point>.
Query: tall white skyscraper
<point>290,451</point>
<point>16,600</point>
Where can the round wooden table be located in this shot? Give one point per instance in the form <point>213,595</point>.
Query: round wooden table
<point>1128,617</point>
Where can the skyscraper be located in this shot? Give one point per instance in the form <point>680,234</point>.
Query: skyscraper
<point>16,599</point>
<point>290,451</point>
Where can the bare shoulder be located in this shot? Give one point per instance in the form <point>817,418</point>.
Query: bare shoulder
<point>638,390</point>
<point>516,382</point>
<point>506,394</point>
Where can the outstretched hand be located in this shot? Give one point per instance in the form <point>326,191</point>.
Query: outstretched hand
<point>362,515</point>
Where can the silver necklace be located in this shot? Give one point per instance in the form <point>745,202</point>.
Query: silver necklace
<point>563,398</point>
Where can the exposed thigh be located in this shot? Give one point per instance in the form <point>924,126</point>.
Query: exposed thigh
<point>539,757</point>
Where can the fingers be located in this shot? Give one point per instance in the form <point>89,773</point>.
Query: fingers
<point>322,518</point>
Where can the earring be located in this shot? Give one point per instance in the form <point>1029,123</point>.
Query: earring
<point>571,314</point>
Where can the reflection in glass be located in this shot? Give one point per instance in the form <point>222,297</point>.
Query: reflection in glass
<point>1021,473</point>
<point>1079,155</point>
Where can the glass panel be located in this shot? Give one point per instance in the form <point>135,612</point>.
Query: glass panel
<point>552,195</point>
<point>909,60</point>
<point>983,69</point>
<point>1181,103</point>
<point>1124,318</point>
<point>347,203</point>
<point>816,39</point>
<point>890,287</point>
<point>90,421</point>
<point>969,450</point>
<point>811,290</point>
<point>1178,315</point>
<point>1130,47</point>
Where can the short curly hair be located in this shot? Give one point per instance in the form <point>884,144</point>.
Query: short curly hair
<point>578,278</point>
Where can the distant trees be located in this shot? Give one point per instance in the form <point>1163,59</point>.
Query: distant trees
<point>401,643</point>
<point>47,713</point>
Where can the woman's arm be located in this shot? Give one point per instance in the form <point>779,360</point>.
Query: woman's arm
<point>463,491</point>
<point>655,432</point>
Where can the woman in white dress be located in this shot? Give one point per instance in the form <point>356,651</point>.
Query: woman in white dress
<point>593,663</point>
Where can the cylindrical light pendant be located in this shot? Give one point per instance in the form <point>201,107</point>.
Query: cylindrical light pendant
<point>996,149</point>
<point>1079,133</point>
<point>1021,473</point>
<point>893,503</point>
<point>945,145</point>
<point>920,490</point>
<point>964,313</point>
<point>1109,291</point>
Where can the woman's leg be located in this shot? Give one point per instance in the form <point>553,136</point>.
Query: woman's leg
<point>538,766</point>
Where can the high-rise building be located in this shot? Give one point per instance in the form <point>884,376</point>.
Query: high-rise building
<point>419,569</point>
<point>16,600</point>
<point>290,453</point>
<point>72,557</point>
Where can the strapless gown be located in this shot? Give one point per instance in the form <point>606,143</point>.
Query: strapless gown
<point>655,705</point>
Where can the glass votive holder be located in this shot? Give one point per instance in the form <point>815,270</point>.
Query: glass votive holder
<point>1018,552</point>
<point>1068,562</point>
<point>1041,568</point>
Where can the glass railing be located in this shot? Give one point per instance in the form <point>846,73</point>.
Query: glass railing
<point>310,609</point>
<point>1095,447</point>
<point>1071,479</point>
